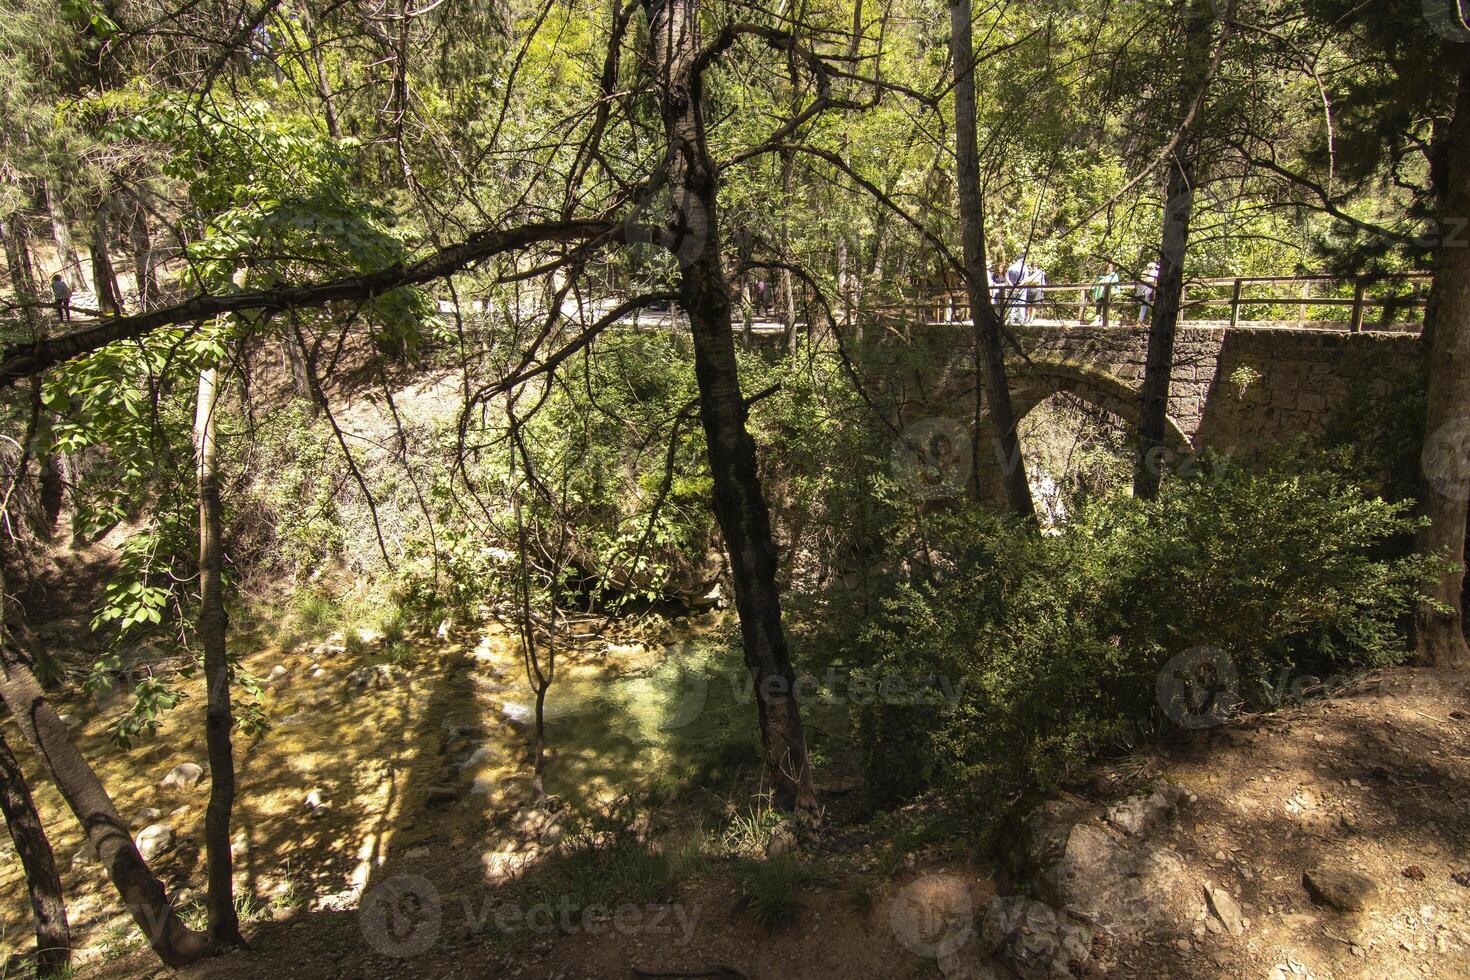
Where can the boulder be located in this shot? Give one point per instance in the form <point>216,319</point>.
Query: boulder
<point>1342,888</point>
<point>1034,939</point>
<point>147,815</point>
<point>1138,814</point>
<point>154,839</point>
<point>184,776</point>
<point>1123,885</point>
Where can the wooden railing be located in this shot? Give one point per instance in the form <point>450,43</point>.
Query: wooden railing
<point>1236,299</point>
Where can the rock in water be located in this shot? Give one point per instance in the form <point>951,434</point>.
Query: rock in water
<point>154,839</point>
<point>184,776</point>
<point>441,795</point>
<point>1343,889</point>
<point>147,815</point>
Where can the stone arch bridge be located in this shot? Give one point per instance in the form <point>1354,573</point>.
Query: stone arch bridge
<point>1237,388</point>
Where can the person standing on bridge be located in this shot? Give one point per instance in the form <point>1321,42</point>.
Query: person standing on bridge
<point>1036,295</point>
<point>1103,290</point>
<point>762,298</point>
<point>1016,291</point>
<point>1146,287</point>
<point>61,293</point>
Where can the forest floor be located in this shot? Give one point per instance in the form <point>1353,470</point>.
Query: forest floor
<point>428,860</point>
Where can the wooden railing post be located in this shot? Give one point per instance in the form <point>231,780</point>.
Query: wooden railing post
<point>1107,302</point>
<point>1359,283</point>
<point>1235,303</point>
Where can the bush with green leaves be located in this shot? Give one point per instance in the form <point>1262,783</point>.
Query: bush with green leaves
<point>1051,646</point>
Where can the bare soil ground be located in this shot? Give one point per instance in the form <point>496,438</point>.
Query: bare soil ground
<point>1377,780</point>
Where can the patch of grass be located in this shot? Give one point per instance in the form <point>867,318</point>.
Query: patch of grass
<point>769,889</point>
<point>310,614</point>
<point>749,831</point>
<point>118,941</point>
<point>597,868</point>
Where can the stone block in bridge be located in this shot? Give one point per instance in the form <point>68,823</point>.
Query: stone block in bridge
<point>1239,388</point>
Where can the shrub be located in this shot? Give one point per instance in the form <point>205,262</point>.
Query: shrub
<point>1052,646</point>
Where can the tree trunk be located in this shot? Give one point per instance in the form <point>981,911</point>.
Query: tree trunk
<point>23,281</point>
<point>1158,366</point>
<point>989,350</point>
<point>224,922</point>
<point>66,252</point>
<point>1440,632</point>
<point>53,935</point>
<point>175,944</point>
<point>145,273</point>
<point>104,277</point>
<point>739,504</point>
<point>22,268</point>
<point>784,277</point>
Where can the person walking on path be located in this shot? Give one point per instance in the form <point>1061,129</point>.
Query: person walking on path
<point>61,292</point>
<point>1103,290</point>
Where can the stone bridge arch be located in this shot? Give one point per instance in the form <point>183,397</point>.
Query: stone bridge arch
<point>1237,389</point>
<point>1039,378</point>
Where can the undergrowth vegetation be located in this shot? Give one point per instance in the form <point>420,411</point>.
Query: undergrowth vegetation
<point>1234,585</point>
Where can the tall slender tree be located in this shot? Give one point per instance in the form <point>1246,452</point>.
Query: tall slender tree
<point>53,934</point>
<point>224,921</point>
<point>1440,626</point>
<point>739,502</point>
<point>1198,52</point>
<point>989,343</point>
